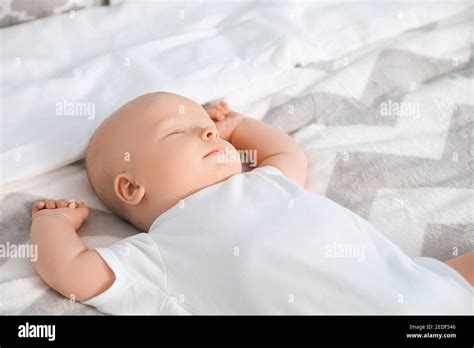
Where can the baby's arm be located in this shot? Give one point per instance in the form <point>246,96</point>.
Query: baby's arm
<point>64,262</point>
<point>274,147</point>
<point>464,265</point>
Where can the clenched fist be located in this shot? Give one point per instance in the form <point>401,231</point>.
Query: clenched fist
<point>73,212</point>
<point>226,120</point>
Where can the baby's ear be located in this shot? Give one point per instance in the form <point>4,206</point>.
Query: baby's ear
<point>127,190</point>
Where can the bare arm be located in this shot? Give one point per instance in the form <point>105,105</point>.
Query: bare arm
<point>64,262</point>
<point>464,265</point>
<point>273,146</point>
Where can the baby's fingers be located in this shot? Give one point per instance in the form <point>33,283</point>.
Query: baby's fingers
<point>81,205</point>
<point>50,204</point>
<point>223,107</point>
<point>75,204</point>
<point>83,209</point>
<point>37,206</point>
<point>216,115</point>
<point>62,203</point>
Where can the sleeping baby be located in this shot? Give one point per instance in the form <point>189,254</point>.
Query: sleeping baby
<point>220,240</point>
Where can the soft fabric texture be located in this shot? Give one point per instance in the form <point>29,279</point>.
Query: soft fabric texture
<point>200,50</point>
<point>326,74</point>
<point>19,11</point>
<point>257,243</point>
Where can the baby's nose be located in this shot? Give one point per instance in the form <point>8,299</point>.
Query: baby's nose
<point>209,133</point>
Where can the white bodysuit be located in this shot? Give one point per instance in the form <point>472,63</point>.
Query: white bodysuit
<point>257,243</point>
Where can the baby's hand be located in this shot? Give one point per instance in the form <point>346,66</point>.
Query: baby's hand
<point>226,120</point>
<point>73,212</point>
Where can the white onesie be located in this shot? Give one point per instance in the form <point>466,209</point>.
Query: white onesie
<point>257,243</point>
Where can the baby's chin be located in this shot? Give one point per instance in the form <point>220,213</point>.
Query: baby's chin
<point>227,169</point>
<point>220,167</point>
<point>220,170</point>
<point>230,158</point>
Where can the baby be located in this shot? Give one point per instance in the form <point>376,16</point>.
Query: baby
<point>221,240</point>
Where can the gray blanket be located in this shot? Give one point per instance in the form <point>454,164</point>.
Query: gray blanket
<point>388,133</point>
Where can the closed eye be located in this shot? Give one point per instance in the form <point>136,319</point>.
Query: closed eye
<point>175,131</point>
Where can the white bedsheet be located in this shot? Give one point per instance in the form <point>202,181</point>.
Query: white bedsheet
<point>62,75</point>
<point>245,52</point>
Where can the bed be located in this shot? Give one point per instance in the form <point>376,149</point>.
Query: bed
<point>379,95</point>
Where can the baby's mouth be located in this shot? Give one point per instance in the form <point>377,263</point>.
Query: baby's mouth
<point>215,151</point>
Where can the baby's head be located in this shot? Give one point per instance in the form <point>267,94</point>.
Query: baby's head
<point>152,152</point>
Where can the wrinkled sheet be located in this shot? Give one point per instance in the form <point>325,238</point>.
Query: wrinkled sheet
<point>379,97</point>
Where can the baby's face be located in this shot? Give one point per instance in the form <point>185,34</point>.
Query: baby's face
<point>177,146</point>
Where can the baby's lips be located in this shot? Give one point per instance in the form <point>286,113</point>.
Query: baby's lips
<point>218,148</point>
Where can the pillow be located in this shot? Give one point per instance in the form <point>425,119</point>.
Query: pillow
<point>19,11</point>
